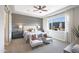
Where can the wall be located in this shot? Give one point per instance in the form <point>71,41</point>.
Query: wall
<point>8,24</point>
<point>72,19</point>
<point>1,28</point>
<point>76,17</point>
<point>4,32</point>
<point>45,24</point>
<point>25,20</point>
<point>60,35</point>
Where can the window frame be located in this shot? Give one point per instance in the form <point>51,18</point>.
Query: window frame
<point>51,21</point>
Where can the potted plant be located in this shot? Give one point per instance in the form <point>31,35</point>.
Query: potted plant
<point>76,32</point>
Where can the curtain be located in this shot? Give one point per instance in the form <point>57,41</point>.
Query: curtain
<point>69,24</point>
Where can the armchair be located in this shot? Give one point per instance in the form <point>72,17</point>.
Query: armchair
<point>35,41</point>
<point>46,39</point>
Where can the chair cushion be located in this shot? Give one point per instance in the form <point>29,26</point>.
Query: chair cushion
<point>48,38</point>
<point>36,43</point>
<point>75,48</point>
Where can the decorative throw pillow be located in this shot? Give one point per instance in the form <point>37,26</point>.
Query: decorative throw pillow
<point>34,37</point>
<point>45,35</point>
<point>39,35</point>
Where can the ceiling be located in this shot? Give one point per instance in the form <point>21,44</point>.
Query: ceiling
<point>29,10</point>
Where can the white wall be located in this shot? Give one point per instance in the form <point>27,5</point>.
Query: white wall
<point>8,24</point>
<point>60,35</point>
<point>10,27</point>
<point>73,15</point>
<point>1,29</point>
<point>76,16</point>
<point>45,24</point>
<point>72,19</point>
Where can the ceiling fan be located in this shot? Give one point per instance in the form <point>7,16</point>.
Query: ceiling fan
<point>40,7</point>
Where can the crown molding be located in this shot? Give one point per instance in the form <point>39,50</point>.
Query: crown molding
<point>60,11</point>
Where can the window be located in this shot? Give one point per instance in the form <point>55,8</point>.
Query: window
<point>57,23</point>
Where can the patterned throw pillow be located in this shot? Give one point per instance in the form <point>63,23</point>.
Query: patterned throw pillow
<point>34,37</point>
<point>45,35</point>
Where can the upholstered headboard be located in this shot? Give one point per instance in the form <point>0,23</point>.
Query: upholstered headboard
<point>26,28</point>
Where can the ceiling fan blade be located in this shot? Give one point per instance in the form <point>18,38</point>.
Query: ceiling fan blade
<point>35,7</point>
<point>44,10</point>
<point>35,10</point>
<point>43,7</point>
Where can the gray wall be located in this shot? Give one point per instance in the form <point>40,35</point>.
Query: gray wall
<point>25,20</point>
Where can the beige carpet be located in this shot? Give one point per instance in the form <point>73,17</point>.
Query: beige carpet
<point>20,46</point>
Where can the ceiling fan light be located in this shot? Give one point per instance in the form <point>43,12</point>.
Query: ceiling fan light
<point>40,7</point>
<point>40,12</point>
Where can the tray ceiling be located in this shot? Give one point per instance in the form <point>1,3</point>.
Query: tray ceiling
<point>29,10</point>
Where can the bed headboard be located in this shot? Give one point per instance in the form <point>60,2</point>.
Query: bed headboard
<point>26,28</point>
